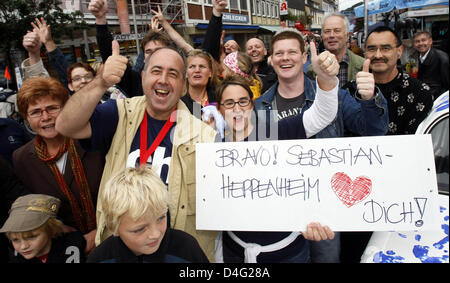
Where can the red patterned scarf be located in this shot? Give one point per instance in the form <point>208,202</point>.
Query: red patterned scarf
<point>84,217</point>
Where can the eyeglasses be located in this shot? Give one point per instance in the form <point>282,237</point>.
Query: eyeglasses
<point>383,48</point>
<point>86,77</point>
<point>52,109</point>
<point>230,103</point>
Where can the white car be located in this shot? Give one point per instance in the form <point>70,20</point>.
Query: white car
<point>421,246</point>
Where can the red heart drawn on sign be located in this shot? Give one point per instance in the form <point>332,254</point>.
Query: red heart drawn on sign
<point>348,191</point>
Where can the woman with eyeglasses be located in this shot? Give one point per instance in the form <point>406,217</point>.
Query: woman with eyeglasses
<point>234,102</point>
<point>56,165</point>
<point>79,74</point>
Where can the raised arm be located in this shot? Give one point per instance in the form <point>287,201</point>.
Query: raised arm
<point>33,66</point>
<point>211,43</point>
<point>55,55</point>
<point>104,38</point>
<point>173,34</point>
<point>324,109</point>
<point>73,121</point>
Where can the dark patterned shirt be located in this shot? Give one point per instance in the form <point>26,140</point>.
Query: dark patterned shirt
<point>409,102</point>
<point>343,70</point>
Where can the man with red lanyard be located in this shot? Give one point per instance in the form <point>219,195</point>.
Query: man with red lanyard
<point>155,129</point>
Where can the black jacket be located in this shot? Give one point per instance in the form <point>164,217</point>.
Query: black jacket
<point>12,136</point>
<point>267,75</point>
<point>434,71</point>
<point>176,247</point>
<point>10,189</point>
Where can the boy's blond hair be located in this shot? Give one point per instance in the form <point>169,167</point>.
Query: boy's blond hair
<point>135,191</point>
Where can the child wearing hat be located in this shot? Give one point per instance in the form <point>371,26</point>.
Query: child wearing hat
<point>135,204</point>
<point>36,235</point>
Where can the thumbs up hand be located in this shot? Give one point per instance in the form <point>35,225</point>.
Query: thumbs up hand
<point>115,66</point>
<point>365,82</point>
<point>326,67</point>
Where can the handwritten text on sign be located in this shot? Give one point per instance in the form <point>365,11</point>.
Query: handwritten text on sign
<point>349,184</point>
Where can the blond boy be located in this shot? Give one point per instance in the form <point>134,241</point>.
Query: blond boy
<point>135,203</point>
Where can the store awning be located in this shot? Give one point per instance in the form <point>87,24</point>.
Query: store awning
<point>241,27</point>
<point>271,28</point>
<point>375,7</point>
<point>383,6</point>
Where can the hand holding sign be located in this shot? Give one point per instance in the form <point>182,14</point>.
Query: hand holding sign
<point>325,66</point>
<point>317,232</point>
<point>115,66</point>
<point>365,82</point>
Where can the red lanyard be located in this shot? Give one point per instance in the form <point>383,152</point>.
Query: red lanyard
<point>144,153</point>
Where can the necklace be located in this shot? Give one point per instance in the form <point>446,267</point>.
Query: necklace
<point>205,100</point>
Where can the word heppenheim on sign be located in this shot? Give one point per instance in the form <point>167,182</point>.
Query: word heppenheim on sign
<point>252,188</point>
<point>298,155</point>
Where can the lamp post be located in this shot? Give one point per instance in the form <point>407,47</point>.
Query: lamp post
<point>365,21</point>
<point>138,49</point>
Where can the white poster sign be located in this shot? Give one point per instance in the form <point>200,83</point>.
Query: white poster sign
<point>350,184</point>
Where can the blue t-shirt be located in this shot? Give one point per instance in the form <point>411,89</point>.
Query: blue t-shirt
<point>104,124</point>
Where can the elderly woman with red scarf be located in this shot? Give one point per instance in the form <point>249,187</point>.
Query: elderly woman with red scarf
<point>56,165</point>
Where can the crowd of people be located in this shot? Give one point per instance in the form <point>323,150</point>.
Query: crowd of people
<point>110,174</point>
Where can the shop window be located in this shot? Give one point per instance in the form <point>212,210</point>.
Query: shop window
<point>234,4</point>
<point>243,4</point>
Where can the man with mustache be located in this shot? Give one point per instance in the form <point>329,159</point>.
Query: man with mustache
<point>433,64</point>
<point>409,100</point>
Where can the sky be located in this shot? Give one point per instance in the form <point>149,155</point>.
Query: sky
<point>344,4</point>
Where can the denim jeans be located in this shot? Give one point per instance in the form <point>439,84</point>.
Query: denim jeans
<point>327,251</point>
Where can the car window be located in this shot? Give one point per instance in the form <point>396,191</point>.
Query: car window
<point>440,136</point>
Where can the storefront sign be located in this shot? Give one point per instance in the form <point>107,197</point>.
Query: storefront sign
<point>234,18</point>
<point>129,36</point>
<point>283,8</point>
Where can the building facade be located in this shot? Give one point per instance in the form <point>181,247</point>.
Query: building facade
<point>242,20</point>
<point>128,20</point>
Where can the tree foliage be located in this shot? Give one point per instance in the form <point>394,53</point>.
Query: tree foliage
<point>16,16</point>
